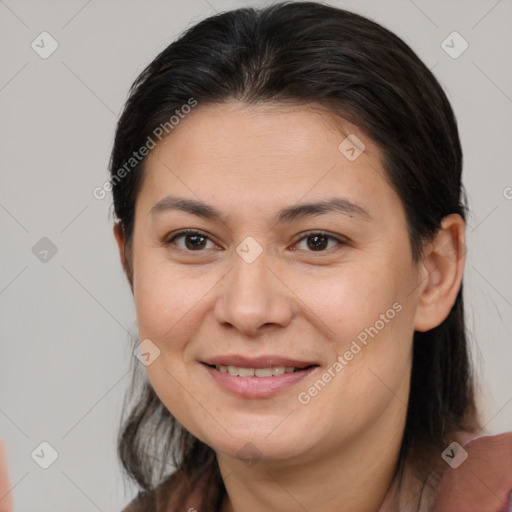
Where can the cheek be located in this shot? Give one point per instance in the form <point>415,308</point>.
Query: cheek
<point>155,299</point>
<point>374,358</point>
<point>162,294</point>
<point>367,312</point>
<point>348,299</point>
<point>171,303</point>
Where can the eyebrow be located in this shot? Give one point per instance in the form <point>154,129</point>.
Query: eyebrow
<point>286,215</point>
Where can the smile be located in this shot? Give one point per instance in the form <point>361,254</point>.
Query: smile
<point>257,372</point>
<point>257,382</point>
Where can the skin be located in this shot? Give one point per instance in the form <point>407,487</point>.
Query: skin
<point>6,499</point>
<point>249,162</point>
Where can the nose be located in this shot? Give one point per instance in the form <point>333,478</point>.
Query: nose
<point>253,298</point>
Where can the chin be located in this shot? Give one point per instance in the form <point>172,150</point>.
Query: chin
<point>262,447</point>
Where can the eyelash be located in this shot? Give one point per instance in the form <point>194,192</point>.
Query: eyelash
<point>192,232</point>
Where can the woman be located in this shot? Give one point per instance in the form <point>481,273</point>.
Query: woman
<point>304,341</point>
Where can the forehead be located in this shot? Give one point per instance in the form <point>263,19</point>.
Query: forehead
<point>235,131</point>
<point>234,154</point>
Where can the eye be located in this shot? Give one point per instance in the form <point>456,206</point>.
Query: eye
<point>194,240</point>
<point>319,241</point>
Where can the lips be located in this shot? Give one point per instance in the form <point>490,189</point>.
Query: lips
<point>257,386</point>
<point>267,361</point>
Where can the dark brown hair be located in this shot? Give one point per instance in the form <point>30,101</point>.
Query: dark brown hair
<point>302,53</point>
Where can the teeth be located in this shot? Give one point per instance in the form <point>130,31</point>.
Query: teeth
<point>258,372</point>
<point>245,372</point>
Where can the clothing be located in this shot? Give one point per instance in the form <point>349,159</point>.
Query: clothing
<point>482,482</point>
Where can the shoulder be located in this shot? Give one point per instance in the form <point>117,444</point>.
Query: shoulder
<point>479,478</point>
<point>132,507</point>
<point>164,498</point>
<point>141,503</point>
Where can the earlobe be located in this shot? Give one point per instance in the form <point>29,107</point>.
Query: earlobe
<point>442,269</point>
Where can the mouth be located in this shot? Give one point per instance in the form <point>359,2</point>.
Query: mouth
<point>261,372</point>
<point>263,378</point>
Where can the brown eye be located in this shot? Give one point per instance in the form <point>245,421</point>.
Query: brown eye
<point>318,242</point>
<point>194,240</point>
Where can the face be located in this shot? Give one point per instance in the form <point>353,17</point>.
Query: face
<point>331,293</point>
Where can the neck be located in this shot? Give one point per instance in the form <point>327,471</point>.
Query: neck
<point>355,477</point>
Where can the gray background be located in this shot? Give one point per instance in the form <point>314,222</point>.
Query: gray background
<point>64,323</point>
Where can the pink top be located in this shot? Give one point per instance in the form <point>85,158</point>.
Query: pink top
<point>481,483</point>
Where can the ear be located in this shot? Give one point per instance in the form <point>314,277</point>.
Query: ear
<point>124,254</point>
<point>441,271</point>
